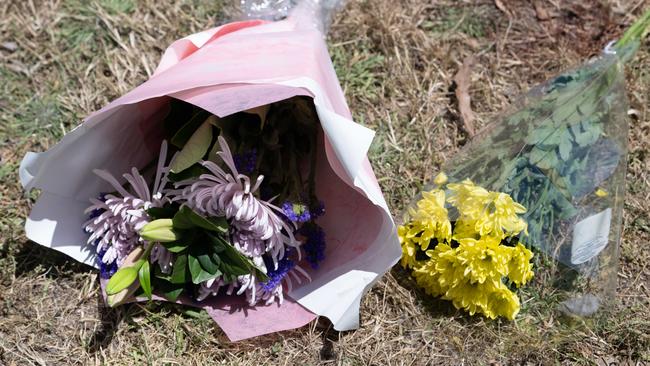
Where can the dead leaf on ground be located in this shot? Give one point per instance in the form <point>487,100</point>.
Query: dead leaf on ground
<point>463,79</point>
<point>541,12</point>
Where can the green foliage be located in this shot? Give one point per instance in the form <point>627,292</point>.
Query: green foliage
<point>187,130</point>
<point>358,70</point>
<point>194,150</point>
<point>186,218</point>
<point>193,171</point>
<point>554,151</point>
<point>144,276</point>
<point>161,230</point>
<point>122,279</point>
<point>471,22</point>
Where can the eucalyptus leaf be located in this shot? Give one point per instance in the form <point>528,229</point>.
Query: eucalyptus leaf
<point>194,150</point>
<point>175,246</point>
<point>183,135</point>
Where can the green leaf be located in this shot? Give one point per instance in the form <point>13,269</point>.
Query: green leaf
<point>186,218</point>
<point>543,159</point>
<point>198,273</point>
<point>180,270</point>
<point>206,256</point>
<point>233,263</point>
<point>192,172</point>
<point>169,290</point>
<point>565,148</point>
<point>563,113</point>
<point>187,130</point>
<point>122,279</point>
<point>592,132</point>
<point>166,212</point>
<point>176,117</point>
<point>194,150</point>
<point>144,276</point>
<point>175,246</point>
<point>160,230</point>
<point>209,262</point>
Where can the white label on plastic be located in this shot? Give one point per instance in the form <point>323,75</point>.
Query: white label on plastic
<point>590,236</point>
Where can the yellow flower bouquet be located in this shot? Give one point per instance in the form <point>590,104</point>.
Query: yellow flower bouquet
<point>461,242</point>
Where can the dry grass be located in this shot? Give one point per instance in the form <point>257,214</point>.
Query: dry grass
<point>396,60</point>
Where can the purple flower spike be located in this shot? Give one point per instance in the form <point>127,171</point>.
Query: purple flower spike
<point>106,271</point>
<point>276,276</point>
<point>318,210</point>
<point>246,161</point>
<point>296,212</point>
<point>287,209</point>
<point>314,244</point>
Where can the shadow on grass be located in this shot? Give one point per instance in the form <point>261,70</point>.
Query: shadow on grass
<point>435,306</point>
<point>111,319</point>
<point>32,258</point>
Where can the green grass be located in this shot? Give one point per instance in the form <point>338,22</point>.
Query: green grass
<point>471,21</point>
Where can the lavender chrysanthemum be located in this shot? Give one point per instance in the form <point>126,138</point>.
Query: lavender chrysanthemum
<point>121,215</point>
<point>257,228</point>
<point>106,271</point>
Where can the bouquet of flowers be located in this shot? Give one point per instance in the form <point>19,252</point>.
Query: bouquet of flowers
<point>462,243</point>
<point>207,217</point>
<point>561,156</point>
<point>233,180</point>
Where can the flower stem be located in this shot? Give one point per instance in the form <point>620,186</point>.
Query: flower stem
<point>636,32</point>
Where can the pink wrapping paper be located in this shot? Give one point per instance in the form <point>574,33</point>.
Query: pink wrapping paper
<point>224,70</point>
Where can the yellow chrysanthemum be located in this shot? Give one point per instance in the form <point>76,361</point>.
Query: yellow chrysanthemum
<point>519,267</point>
<point>484,259</point>
<point>426,276</point>
<point>440,179</point>
<point>502,302</point>
<point>450,273</point>
<point>465,229</point>
<point>501,214</point>
<point>472,297</point>
<point>408,247</point>
<point>468,198</point>
<point>492,212</point>
<point>430,220</point>
<point>470,265</point>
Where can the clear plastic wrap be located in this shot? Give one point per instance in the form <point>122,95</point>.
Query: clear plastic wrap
<point>562,155</point>
<point>317,12</point>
